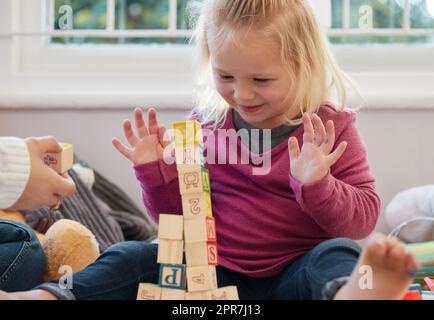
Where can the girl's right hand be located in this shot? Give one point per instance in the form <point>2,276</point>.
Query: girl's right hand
<point>150,142</point>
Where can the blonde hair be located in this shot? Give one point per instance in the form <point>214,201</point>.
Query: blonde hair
<point>304,48</point>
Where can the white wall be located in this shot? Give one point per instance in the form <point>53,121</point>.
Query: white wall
<point>400,146</point>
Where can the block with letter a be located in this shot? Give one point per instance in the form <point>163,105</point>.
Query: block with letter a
<point>201,278</point>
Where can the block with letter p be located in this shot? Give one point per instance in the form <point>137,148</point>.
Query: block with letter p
<point>172,276</point>
<point>200,229</point>
<point>193,179</point>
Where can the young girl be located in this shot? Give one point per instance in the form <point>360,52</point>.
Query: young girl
<point>284,234</point>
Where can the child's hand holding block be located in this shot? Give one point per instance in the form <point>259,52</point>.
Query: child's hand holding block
<point>63,161</point>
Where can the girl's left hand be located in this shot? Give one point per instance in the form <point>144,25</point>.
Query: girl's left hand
<point>313,162</point>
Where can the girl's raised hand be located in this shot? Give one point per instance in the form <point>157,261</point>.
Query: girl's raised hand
<point>312,163</point>
<point>149,143</point>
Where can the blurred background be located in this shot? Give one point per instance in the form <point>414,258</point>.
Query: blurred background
<point>75,69</point>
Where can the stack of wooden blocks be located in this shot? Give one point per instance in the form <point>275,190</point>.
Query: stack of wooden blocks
<point>195,230</point>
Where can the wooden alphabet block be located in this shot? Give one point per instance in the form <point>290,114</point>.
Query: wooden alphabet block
<point>201,229</point>
<point>198,295</point>
<point>172,276</point>
<point>63,161</point>
<point>193,179</point>
<point>170,251</point>
<point>224,293</point>
<point>196,205</point>
<point>187,132</point>
<point>170,226</point>
<point>201,253</point>
<point>189,154</point>
<point>172,294</point>
<point>148,291</point>
<point>201,278</point>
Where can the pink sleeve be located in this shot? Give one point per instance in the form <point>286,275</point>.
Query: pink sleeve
<point>344,203</point>
<point>160,188</point>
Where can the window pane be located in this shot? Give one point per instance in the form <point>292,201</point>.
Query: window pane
<point>386,13</point>
<point>422,14</point>
<point>184,11</point>
<point>142,14</point>
<point>337,22</point>
<point>86,14</point>
<point>390,40</point>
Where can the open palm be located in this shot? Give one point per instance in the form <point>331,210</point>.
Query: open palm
<point>312,162</point>
<point>149,143</point>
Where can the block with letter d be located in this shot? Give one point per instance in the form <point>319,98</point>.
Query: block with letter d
<point>172,276</point>
<point>196,205</point>
<point>193,179</point>
<point>187,132</point>
<point>201,229</point>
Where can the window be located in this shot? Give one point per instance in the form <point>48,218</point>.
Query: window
<point>167,21</point>
<point>118,53</point>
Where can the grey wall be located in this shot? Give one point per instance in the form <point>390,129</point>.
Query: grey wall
<point>399,142</point>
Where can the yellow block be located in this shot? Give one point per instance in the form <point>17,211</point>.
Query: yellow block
<point>187,132</point>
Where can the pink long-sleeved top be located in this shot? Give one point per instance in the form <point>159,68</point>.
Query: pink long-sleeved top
<point>264,221</point>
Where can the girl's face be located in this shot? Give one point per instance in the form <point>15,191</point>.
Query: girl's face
<point>252,79</point>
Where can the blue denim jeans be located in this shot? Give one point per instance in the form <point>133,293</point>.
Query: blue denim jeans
<point>22,259</point>
<point>118,271</point>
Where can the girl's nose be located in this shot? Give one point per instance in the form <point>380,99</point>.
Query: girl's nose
<point>243,93</point>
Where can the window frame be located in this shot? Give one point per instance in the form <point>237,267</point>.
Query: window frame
<point>126,75</point>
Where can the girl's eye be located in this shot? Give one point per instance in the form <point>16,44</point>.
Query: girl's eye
<point>261,80</point>
<point>226,77</point>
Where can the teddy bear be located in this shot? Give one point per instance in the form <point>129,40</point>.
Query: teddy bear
<point>65,243</point>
